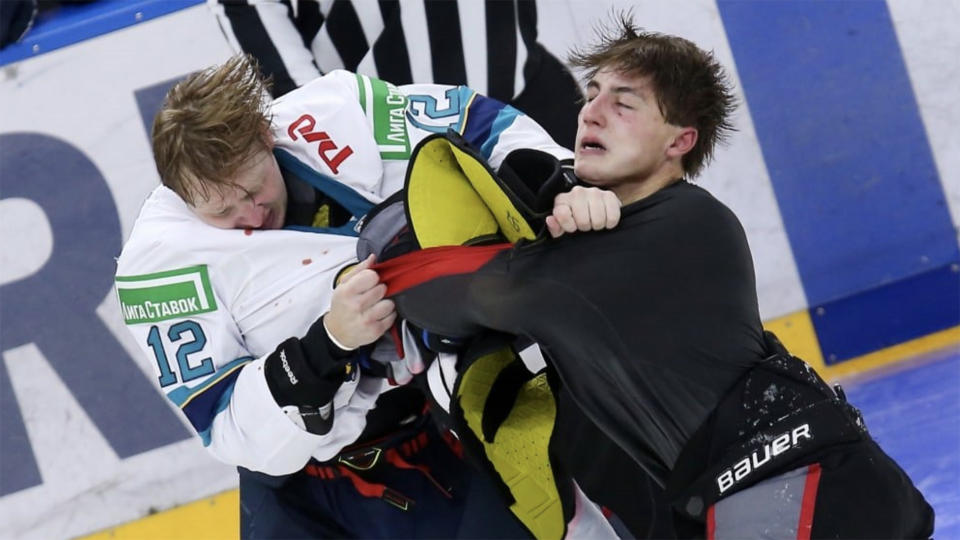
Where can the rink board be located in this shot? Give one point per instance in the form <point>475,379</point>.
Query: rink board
<point>845,172</point>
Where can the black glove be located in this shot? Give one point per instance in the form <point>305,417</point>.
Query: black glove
<point>306,373</point>
<point>536,178</point>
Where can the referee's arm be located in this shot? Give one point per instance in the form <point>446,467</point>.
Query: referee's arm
<point>269,31</point>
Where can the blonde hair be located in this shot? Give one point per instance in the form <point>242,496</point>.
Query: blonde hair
<point>210,124</point>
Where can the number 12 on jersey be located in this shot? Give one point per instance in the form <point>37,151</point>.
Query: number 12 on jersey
<point>191,339</point>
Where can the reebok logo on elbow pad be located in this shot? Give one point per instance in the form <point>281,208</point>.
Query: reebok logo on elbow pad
<point>295,380</point>
<point>286,367</point>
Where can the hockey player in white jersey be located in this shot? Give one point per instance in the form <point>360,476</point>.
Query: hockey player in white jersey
<point>271,360</point>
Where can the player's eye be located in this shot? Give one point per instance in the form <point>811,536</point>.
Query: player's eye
<point>249,194</point>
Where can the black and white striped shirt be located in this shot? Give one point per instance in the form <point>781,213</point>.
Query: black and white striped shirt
<point>485,44</point>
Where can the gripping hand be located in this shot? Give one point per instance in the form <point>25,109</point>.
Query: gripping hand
<point>359,312</point>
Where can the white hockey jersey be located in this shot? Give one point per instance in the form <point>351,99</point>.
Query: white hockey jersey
<point>206,305</point>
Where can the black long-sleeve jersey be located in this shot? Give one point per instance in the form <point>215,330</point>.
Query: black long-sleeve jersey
<point>648,324</point>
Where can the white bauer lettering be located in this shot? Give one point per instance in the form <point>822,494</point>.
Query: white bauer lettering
<point>741,469</point>
<point>766,457</point>
<point>781,443</point>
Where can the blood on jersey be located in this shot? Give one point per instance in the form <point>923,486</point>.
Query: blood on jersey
<point>304,126</point>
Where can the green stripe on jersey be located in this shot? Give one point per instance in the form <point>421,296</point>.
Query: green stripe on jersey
<point>385,107</point>
<point>165,295</point>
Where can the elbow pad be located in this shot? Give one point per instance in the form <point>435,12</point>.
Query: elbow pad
<point>304,374</point>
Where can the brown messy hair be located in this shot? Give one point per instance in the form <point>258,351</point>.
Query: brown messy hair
<point>691,87</point>
<point>210,124</point>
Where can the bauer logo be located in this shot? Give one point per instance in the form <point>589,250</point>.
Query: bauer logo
<point>165,295</point>
<point>773,448</point>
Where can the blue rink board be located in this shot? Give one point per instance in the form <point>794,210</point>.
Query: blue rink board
<point>915,416</point>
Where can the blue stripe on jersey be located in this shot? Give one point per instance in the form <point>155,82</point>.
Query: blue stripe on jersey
<point>466,97</point>
<point>486,119</point>
<point>204,402</point>
<point>347,229</point>
<point>355,203</point>
<point>221,404</point>
<point>504,119</point>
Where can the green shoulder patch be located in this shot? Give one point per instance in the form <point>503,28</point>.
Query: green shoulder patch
<point>385,107</point>
<point>165,295</point>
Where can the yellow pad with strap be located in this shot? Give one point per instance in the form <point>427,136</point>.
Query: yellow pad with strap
<point>453,198</point>
<point>519,451</point>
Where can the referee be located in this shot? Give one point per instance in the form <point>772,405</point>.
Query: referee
<point>489,45</point>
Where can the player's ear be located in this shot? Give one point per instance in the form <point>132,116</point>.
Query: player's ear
<point>683,141</point>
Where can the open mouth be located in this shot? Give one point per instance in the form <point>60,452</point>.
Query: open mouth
<point>592,144</point>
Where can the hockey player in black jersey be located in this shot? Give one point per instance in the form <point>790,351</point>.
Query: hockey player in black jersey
<point>653,328</point>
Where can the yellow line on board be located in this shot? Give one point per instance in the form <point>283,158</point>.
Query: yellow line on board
<point>797,334</point>
<point>213,518</point>
<point>890,355</point>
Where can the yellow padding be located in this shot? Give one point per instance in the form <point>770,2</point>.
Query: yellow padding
<point>452,198</point>
<point>512,225</point>
<point>444,209</point>
<point>519,451</point>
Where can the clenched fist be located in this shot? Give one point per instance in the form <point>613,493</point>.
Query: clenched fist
<point>359,314</point>
<point>583,209</point>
